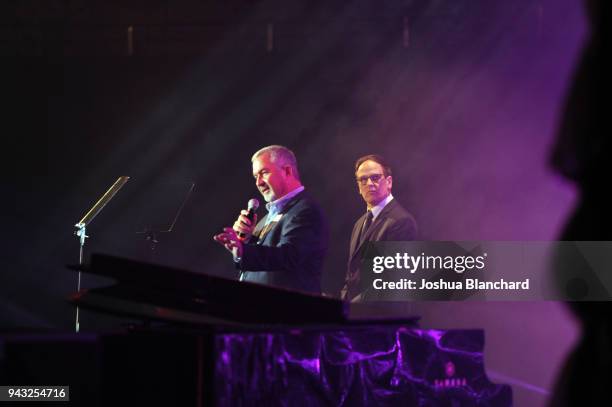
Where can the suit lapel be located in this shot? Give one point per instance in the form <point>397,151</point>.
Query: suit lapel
<point>265,232</point>
<point>356,245</point>
<point>273,226</point>
<point>260,226</point>
<point>355,235</point>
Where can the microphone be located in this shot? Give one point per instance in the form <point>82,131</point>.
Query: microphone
<point>252,207</point>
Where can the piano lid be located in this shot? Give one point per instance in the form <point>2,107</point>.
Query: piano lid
<point>153,291</point>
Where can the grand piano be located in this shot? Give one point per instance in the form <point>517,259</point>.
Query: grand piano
<point>205,340</point>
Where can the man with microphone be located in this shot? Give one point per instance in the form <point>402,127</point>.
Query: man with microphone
<point>288,246</point>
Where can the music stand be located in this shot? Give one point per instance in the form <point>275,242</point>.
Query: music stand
<point>86,220</point>
<point>151,232</point>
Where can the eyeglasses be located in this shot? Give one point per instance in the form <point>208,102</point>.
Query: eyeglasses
<point>375,178</point>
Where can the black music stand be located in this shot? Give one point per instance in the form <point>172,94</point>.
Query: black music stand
<point>165,209</point>
<point>86,220</point>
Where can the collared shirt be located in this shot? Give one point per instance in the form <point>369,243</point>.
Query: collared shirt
<point>376,210</point>
<point>276,207</point>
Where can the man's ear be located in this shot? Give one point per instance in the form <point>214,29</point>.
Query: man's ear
<point>390,181</point>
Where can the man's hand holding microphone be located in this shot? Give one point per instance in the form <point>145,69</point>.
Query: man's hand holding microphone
<point>232,238</point>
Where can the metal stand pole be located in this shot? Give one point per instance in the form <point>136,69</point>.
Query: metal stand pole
<point>82,224</point>
<point>82,236</point>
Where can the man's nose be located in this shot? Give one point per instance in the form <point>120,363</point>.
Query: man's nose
<point>259,181</point>
<point>370,182</point>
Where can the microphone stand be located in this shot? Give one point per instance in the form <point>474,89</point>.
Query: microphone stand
<point>86,220</point>
<point>151,235</point>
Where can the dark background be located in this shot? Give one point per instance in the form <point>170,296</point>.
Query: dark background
<point>461,96</point>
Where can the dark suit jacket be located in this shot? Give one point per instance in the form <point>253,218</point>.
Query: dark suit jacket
<point>393,223</point>
<point>291,254</point>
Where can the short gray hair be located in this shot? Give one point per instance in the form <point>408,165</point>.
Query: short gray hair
<point>279,155</point>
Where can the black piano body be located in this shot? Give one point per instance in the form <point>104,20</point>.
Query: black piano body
<point>284,348</point>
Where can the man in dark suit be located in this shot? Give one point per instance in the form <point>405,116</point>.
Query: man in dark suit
<point>288,246</point>
<point>385,220</point>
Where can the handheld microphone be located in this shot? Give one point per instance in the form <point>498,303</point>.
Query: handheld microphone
<point>252,207</point>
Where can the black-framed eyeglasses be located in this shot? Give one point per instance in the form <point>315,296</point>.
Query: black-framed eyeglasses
<point>375,178</point>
